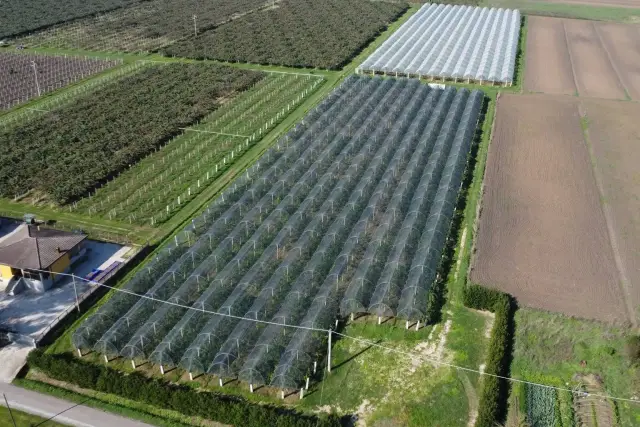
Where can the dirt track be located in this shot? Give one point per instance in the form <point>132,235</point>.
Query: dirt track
<point>542,234</point>
<point>595,59</point>
<point>614,132</point>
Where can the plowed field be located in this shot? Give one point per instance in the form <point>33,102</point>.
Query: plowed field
<point>614,131</point>
<point>543,235</point>
<point>595,59</point>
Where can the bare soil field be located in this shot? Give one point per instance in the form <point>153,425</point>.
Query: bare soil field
<point>595,75</point>
<point>542,234</point>
<point>599,59</point>
<point>622,41</point>
<point>600,3</point>
<point>614,133</point>
<point>549,68</point>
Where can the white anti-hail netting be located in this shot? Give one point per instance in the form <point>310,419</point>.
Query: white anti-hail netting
<point>304,236</point>
<point>452,42</point>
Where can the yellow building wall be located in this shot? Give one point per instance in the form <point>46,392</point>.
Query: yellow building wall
<point>60,265</point>
<point>5,272</point>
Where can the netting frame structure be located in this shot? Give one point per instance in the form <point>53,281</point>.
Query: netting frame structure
<point>266,267</point>
<point>456,43</point>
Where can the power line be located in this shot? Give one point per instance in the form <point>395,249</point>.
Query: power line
<point>363,341</point>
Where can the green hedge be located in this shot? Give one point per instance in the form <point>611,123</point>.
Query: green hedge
<point>495,391</point>
<point>213,406</point>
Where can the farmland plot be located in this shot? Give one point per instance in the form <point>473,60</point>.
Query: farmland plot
<point>284,243</point>
<point>548,64</point>
<point>144,27</point>
<point>57,155</point>
<point>542,234</point>
<point>27,76</point>
<point>295,33</point>
<point>452,42</point>
<point>614,133</point>
<point>28,15</point>
<point>155,188</point>
<point>593,59</point>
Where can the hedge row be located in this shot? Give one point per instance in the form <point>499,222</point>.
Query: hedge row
<point>495,391</point>
<point>213,406</point>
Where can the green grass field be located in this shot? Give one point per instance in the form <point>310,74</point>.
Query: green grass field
<point>22,419</point>
<point>558,350</point>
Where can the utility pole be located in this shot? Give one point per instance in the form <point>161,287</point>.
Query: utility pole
<point>195,25</point>
<point>9,408</point>
<point>35,74</point>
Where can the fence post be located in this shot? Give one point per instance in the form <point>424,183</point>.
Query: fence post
<point>75,291</point>
<point>329,353</point>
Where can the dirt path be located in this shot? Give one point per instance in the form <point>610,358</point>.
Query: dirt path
<point>472,398</point>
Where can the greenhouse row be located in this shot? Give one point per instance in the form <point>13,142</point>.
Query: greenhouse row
<point>459,43</point>
<point>347,213</point>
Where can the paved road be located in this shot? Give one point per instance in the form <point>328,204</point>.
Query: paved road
<point>47,406</point>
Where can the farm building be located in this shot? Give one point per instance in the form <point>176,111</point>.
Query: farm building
<point>31,257</point>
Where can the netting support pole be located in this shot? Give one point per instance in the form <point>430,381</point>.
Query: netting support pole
<point>106,360</point>
<point>79,353</point>
<point>379,320</point>
<point>315,366</point>
<point>250,388</point>
<point>220,381</point>
<point>282,394</point>
<point>329,353</point>
<point>406,325</point>
<point>162,369</point>
<point>133,364</point>
<point>190,376</point>
<point>337,323</point>
<point>306,386</point>
<point>418,325</point>
<point>75,291</point>
<point>301,392</point>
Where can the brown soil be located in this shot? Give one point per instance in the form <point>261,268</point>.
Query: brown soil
<point>595,75</point>
<point>596,59</point>
<point>614,133</point>
<point>623,44</point>
<point>586,405</point>
<point>542,234</point>
<point>548,65</point>
<point>602,3</point>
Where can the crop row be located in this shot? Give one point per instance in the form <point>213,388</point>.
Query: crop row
<point>145,26</point>
<point>69,151</point>
<point>27,15</point>
<point>297,33</point>
<point>152,190</point>
<point>27,76</point>
<point>285,245</point>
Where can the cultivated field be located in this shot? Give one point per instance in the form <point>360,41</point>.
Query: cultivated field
<point>616,3</point>
<point>143,27</point>
<point>452,42</point>
<point>26,76</point>
<point>542,234</point>
<point>295,33</point>
<point>155,188</point>
<point>67,152</point>
<point>298,232</point>
<point>28,15</point>
<point>614,130</point>
<point>592,59</point>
